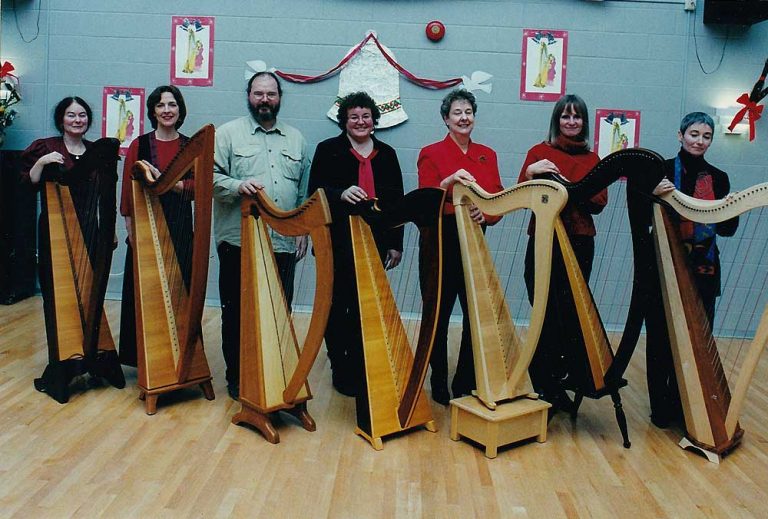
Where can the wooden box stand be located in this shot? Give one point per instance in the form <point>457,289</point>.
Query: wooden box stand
<point>510,422</point>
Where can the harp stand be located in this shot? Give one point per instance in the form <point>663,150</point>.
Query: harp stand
<point>510,422</point>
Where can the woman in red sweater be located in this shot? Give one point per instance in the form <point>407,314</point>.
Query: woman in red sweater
<point>166,111</point>
<point>442,164</point>
<point>558,361</point>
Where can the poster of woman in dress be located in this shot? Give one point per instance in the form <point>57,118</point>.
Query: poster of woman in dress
<point>616,130</point>
<point>122,107</point>
<point>192,51</point>
<point>544,57</point>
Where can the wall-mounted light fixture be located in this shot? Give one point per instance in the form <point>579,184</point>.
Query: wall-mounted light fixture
<point>726,115</point>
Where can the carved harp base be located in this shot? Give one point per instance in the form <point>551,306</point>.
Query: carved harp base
<point>149,396</point>
<point>510,422</point>
<point>376,441</point>
<point>57,375</point>
<point>261,420</point>
<point>713,454</point>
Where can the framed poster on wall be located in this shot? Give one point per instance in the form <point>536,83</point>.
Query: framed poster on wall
<point>122,114</point>
<point>192,50</point>
<point>616,130</point>
<point>544,58</point>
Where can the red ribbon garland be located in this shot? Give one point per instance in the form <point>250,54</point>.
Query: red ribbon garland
<point>750,107</point>
<point>426,83</point>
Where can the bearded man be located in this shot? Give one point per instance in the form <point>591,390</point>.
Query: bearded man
<point>254,153</point>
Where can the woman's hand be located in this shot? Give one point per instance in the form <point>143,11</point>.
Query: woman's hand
<point>540,167</point>
<point>354,194</point>
<point>665,186</point>
<point>476,214</point>
<point>36,171</point>
<point>461,175</point>
<point>393,259</point>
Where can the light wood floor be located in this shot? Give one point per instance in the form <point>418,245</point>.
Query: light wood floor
<point>100,455</point>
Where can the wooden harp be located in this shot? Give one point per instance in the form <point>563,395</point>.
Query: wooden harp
<point>703,364</point>
<point>273,369</point>
<point>603,367</point>
<point>393,399</point>
<point>81,236</point>
<point>501,354</point>
<point>170,265</point>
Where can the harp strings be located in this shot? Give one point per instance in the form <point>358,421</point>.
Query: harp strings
<point>744,284</point>
<point>82,229</point>
<point>404,283</point>
<point>507,241</point>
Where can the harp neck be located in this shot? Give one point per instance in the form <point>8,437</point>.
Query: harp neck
<point>715,211</point>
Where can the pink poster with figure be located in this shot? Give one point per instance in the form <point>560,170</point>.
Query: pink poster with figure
<point>616,130</point>
<point>192,51</point>
<point>122,114</point>
<point>544,57</point>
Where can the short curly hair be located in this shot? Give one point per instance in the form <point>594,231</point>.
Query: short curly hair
<point>154,98</point>
<point>357,100</point>
<point>457,95</point>
<point>61,109</point>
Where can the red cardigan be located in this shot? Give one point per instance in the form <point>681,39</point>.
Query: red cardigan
<point>442,159</point>
<point>166,151</point>
<point>577,218</point>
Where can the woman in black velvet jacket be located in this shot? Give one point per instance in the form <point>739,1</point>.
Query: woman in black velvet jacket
<point>352,167</point>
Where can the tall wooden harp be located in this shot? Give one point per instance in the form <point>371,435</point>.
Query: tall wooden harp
<point>273,369</point>
<point>81,208</point>
<point>497,414</point>
<point>393,399</point>
<point>714,374</point>
<point>501,354</point>
<point>170,265</point>
<point>603,367</point>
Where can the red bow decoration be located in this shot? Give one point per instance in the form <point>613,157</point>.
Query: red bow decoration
<point>5,70</point>
<point>750,107</point>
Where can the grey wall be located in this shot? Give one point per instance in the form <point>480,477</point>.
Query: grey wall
<point>622,54</point>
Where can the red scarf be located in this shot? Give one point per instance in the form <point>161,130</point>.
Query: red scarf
<point>365,172</point>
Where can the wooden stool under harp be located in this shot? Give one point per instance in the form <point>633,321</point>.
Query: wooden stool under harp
<point>80,205</point>
<point>273,369</point>
<point>170,265</point>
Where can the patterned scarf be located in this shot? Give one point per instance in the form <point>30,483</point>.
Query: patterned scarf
<point>701,236</point>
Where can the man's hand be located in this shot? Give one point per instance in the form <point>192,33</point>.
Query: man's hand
<point>393,259</point>
<point>250,187</point>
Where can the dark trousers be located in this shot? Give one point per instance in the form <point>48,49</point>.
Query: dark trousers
<point>128,353</point>
<point>229,293</point>
<point>452,287</point>
<point>560,353</point>
<point>343,334</point>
